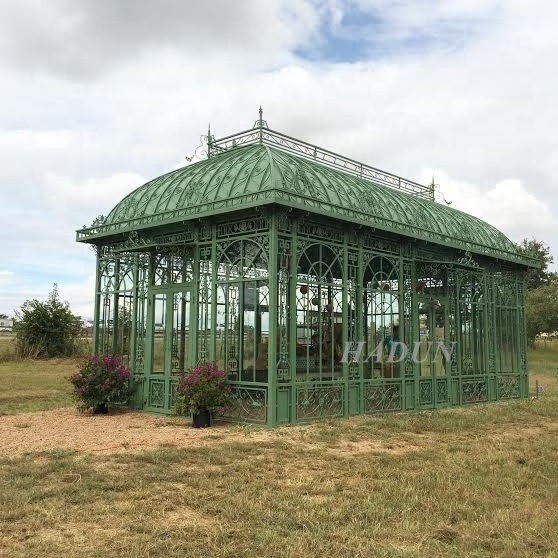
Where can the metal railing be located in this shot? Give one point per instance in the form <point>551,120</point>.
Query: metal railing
<point>263,135</point>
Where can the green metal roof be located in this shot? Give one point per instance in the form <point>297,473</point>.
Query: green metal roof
<point>257,174</point>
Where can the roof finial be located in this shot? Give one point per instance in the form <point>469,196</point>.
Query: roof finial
<point>260,123</point>
<point>208,140</point>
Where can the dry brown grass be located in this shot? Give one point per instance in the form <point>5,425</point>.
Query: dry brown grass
<point>479,481</point>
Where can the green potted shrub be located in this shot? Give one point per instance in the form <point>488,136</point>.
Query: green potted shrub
<point>101,380</point>
<point>203,392</point>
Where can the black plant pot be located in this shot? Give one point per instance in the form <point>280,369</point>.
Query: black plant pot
<point>201,419</point>
<point>100,409</point>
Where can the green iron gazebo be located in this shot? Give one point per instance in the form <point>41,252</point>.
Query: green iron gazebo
<point>291,267</point>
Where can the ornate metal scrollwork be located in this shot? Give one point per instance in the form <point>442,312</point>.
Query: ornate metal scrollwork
<point>467,259</point>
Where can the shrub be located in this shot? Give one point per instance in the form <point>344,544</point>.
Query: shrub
<point>101,380</point>
<point>46,329</point>
<point>202,387</point>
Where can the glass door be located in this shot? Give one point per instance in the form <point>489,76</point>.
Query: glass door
<point>169,345</point>
<point>430,353</point>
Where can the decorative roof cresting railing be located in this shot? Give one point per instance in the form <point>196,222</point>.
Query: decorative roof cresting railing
<point>263,135</point>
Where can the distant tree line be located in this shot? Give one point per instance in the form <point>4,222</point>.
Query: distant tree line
<point>541,299</point>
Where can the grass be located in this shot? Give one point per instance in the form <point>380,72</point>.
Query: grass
<point>422,484</point>
<point>35,385</point>
<point>479,481</point>
<point>7,346</point>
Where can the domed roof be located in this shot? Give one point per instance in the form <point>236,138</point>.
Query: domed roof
<point>258,174</point>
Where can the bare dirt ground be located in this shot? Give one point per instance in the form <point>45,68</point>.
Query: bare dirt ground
<point>69,429</point>
<point>124,431</point>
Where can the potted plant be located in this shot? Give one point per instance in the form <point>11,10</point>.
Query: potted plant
<point>202,391</point>
<point>100,381</point>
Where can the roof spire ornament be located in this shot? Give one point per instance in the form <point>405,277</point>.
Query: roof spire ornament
<point>260,124</point>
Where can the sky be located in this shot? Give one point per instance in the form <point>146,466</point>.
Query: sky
<point>96,98</point>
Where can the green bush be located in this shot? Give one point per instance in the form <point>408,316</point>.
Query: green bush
<point>47,329</point>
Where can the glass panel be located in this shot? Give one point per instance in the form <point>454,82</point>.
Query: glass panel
<point>242,307</point>
<point>220,336</point>
<point>249,304</point>
<point>159,330</point>
<point>105,325</point>
<point>381,319</point>
<point>123,327</point>
<point>428,352</point>
<point>422,352</point>
<point>262,332</point>
<point>319,314</point>
<point>440,361</point>
<point>180,331</point>
<point>506,340</point>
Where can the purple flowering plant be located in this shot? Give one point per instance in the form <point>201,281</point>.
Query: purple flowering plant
<point>202,387</point>
<point>100,379</point>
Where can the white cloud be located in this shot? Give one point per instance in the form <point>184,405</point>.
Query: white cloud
<point>86,118</point>
<point>91,194</point>
<point>86,39</point>
<point>507,205</point>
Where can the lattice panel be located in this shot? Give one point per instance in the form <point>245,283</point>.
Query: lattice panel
<point>509,387</point>
<point>474,391</point>
<point>386,397</point>
<point>319,402</point>
<point>441,392</point>
<point>172,393</point>
<point>426,395</point>
<point>156,393</point>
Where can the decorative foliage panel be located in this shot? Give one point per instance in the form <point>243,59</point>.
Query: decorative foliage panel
<point>249,404</point>
<point>382,397</point>
<point>317,401</point>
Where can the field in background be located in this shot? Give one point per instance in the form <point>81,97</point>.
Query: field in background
<point>35,385</point>
<point>477,481</point>
<point>7,346</point>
